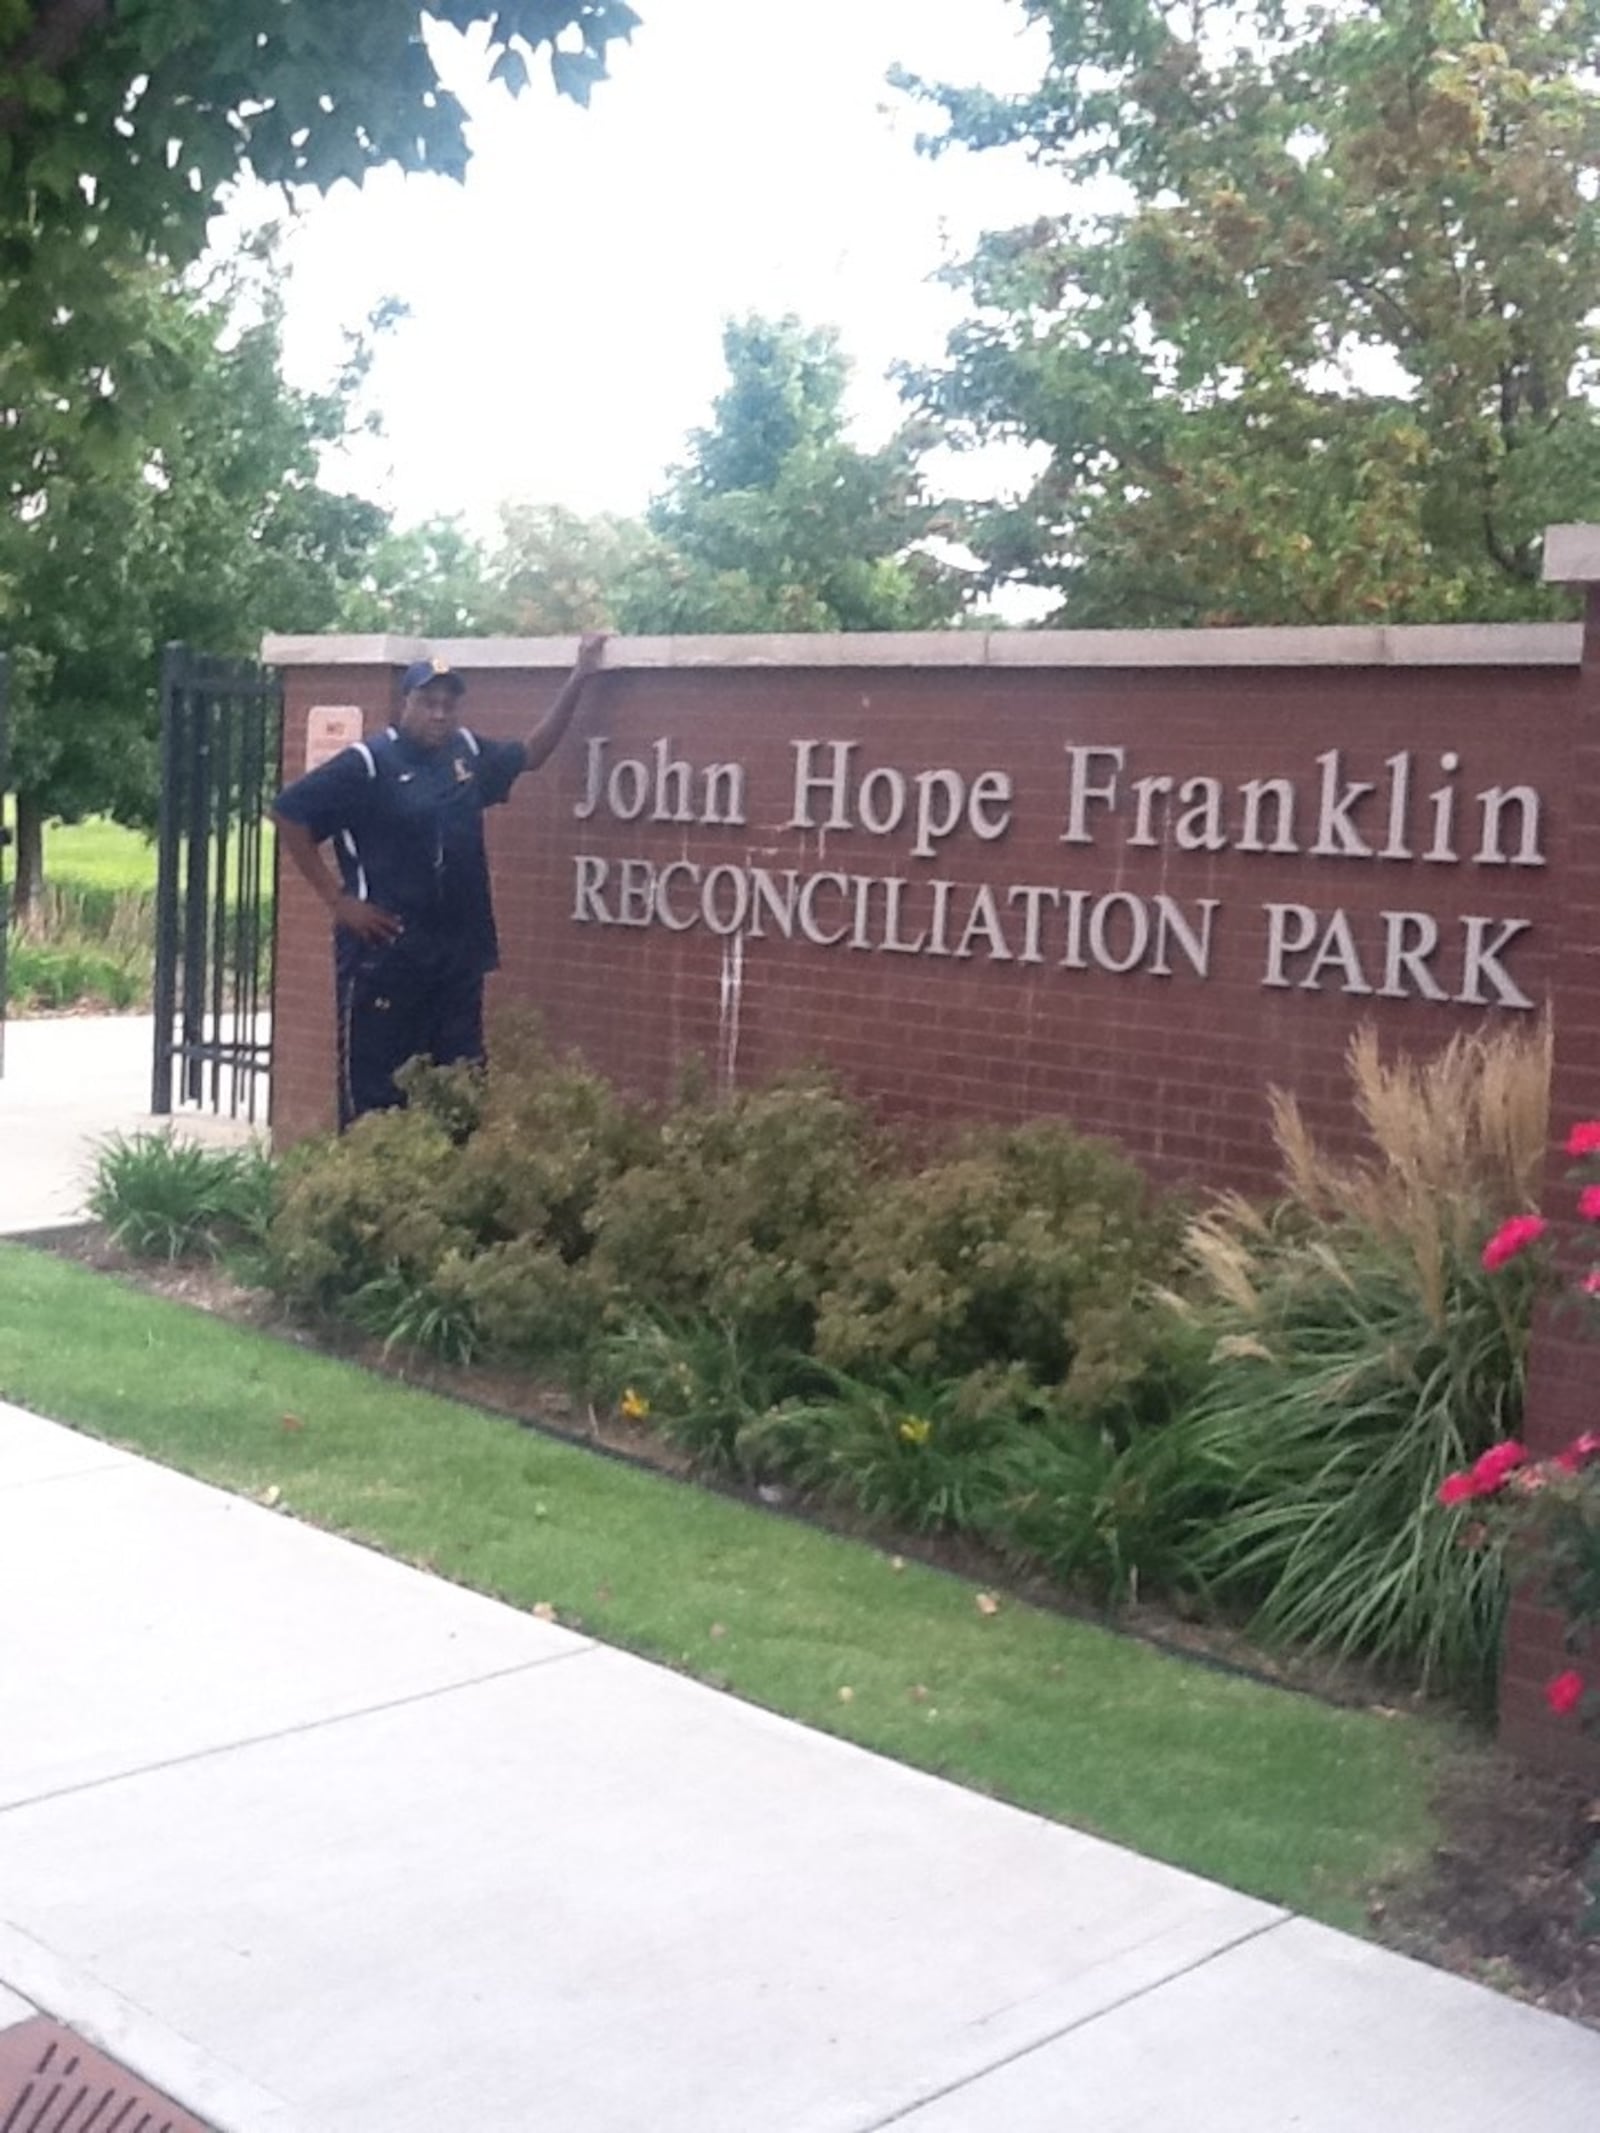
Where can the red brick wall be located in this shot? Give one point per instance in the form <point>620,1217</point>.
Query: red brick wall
<point>1174,1067</point>
<point>1564,1386</point>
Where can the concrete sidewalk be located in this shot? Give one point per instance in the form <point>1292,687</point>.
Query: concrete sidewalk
<point>69,1081</point>
<point>315,1841</point>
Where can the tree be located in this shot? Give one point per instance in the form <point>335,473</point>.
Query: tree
<point>120,123</point>
<point>220,529</point>
<point>134,117</point>
<point>777,521</point>
<point>560,573</point>
<point>432,580</point>
<point>1315,341</point>
<point>549,572</point>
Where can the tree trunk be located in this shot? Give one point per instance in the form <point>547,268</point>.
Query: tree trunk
<point>28,880</point>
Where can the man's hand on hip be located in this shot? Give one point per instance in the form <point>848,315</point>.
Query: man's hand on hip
<point>368,922</point>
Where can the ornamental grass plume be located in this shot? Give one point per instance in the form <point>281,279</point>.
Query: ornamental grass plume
<point>1450,1134</point>
<point>1361,1351</point>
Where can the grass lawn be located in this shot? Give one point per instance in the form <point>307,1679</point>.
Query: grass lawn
<point>98,854</point>
<point>1271,1792</point>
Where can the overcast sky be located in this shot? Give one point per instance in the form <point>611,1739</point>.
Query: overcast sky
<point>567,301</point>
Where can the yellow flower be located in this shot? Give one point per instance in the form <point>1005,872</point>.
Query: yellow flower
<point>634,1405</point>
<point>913,1430</point>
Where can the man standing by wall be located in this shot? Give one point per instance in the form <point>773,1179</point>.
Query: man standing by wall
<point>414,930</point>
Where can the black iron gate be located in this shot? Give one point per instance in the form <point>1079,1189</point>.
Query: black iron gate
<point>5,840</point>
<point>220,726</point>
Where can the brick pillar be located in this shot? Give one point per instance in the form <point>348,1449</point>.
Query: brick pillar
<point>304,1098</point>
<point>1564,1367</point>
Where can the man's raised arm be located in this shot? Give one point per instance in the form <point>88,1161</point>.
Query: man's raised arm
<point>546,737</point>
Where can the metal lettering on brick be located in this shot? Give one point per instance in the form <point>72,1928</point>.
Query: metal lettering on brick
<point>1331,809</point>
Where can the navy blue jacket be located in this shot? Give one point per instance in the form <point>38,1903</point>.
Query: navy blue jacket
<point>407,827</point>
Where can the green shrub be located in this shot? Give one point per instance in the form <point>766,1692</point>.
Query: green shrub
<point>83,946</point>
<point>434,1316</point>
<point>698,1384</point>
<point>1030,1248</point>
<point>528,1302</point>
<point>1113,1520</point>
<point>162,1197</point>
<point>547,1139</point>
<point>120,919</point>
<point>738,1211</point>
<point>532,1213</point>
<point>1361,1353</point>
<point>49,976</point>
<point>920,1456</point>
<point>478,1196</point>
<point>382,1203</point>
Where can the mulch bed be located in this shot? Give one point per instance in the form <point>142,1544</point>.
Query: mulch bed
<point>1513,1894</point>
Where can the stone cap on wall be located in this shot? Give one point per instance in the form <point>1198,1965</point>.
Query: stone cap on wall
<point>1456,644</point>
<point>1572,555</point>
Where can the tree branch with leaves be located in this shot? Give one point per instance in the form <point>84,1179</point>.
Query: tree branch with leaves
<point>1310,338</point>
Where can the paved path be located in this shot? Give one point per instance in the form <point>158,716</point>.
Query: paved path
<point>69,1081</point>
<point>314,1841</point>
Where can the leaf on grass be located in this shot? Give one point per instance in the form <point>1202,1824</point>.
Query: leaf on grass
<point>544,1612</point>
<point>292,1422</point>
<point>987,1604</point>
<point>271,1497</point>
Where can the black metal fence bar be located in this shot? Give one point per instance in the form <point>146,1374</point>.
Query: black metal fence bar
<point>220,723</point>
<point>253,942</point>
<point>169,865</point>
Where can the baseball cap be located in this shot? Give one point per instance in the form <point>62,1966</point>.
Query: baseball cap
<point>422,671</point>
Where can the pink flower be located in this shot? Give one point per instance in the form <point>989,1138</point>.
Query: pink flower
<point>1490,1472</point>
<point>1565,1693</point>
<point>1584,1139</point>
<point>1591,1283</point>
<point>1515,1236</point>
<point>1485,1476</point>
<point>1589,1203</point>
